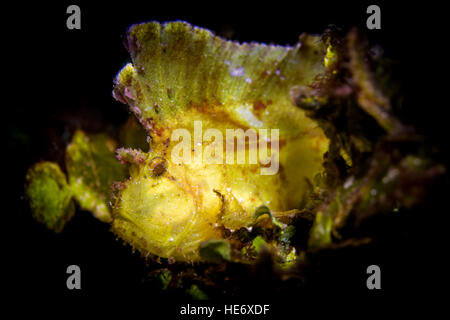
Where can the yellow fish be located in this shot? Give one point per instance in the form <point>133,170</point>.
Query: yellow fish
<point>225,137</point>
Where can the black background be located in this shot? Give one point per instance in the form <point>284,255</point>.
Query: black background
<point>61,77</point>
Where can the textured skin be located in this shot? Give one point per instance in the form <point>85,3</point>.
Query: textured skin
<point>49,195</point>
<point>180,74</point>
<point>92,168</point>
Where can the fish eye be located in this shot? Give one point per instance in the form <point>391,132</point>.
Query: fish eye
<point>159,169</point>
<point>157,166</point>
